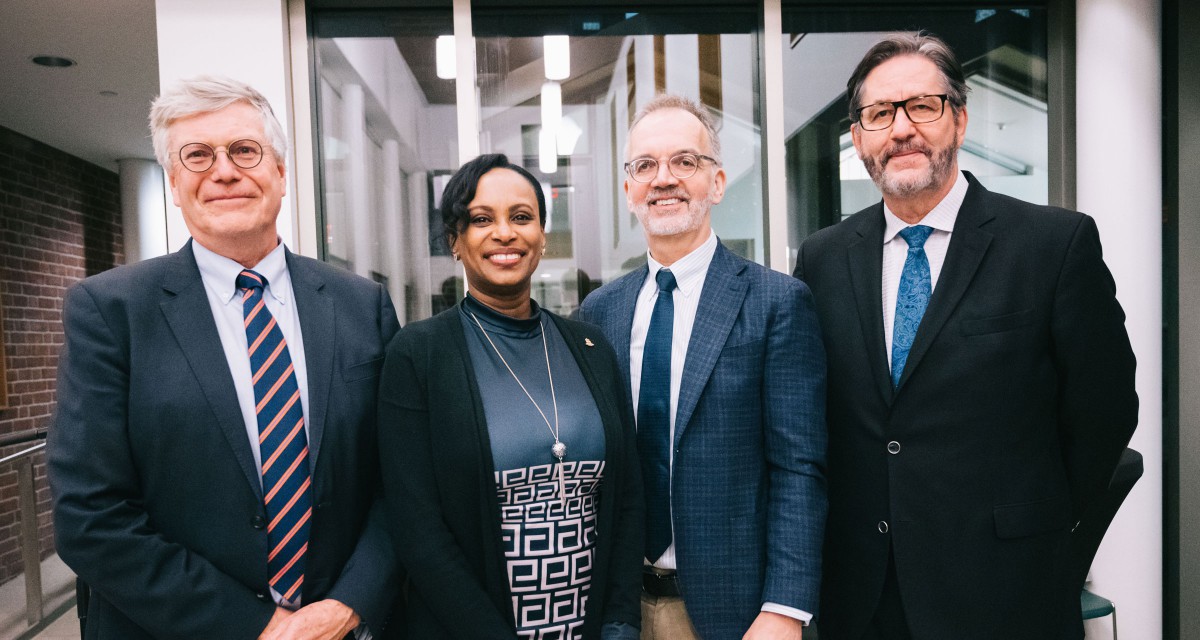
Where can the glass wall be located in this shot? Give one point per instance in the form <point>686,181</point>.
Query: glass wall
<point>387,139</point>
<point>556,88</point>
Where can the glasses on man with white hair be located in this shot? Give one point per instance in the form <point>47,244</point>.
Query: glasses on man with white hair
<point>198,157</point>
<point>681,165</point>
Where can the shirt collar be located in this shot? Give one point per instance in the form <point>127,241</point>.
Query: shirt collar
<point>689,270</point>
<point>941,217</point>
<point>220,273</point>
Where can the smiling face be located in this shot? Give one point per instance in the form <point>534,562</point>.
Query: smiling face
<point>667,206</point>
<point>503,241</point>
<point>229,210</point>
<point>908,160</point>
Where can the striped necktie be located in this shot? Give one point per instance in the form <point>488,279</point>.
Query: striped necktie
<point>282,442</point>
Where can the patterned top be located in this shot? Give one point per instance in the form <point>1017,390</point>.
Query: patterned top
<point>549,543</point>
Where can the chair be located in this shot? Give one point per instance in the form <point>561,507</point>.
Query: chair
<point>1090,531</point>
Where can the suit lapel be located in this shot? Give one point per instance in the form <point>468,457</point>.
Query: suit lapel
<point>968,244</point>
<point>188,314</point>
<point>317,325</point>
<point>720,303</point>
<point>865,257</point>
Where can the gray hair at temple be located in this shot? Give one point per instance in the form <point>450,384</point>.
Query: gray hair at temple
<point>672,101</point>
<point>205,94</point>
<point>917,43</point>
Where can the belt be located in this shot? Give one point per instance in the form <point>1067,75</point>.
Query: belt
<point>660,583</point>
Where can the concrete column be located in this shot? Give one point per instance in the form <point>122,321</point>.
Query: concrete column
<point>392,240</point>
<point>212,38</point>
<point>358,195</point>
<point>143,209</point>
<point>1119,182</point>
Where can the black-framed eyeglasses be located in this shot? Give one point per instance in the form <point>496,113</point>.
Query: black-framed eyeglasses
<point>682,166</point>
<point>198,157</point>
<point>919,109</point>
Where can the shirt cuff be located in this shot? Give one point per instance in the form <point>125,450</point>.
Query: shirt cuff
<point>803,616</point>
<point>361,632</point>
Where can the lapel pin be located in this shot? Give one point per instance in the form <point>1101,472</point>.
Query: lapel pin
<point>588,342</point>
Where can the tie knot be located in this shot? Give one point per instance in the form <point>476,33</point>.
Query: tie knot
<point>916,236</point>
<point>248,279</point>
<point>666,280</point>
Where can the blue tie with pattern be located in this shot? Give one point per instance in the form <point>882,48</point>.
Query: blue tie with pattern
<point>912,297</point>
<point>283,444</point>
<point>654,418</point>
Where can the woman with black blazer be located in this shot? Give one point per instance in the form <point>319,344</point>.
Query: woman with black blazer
<point>506,439</point>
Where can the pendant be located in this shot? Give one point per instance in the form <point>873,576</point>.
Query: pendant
<point>559,450</point>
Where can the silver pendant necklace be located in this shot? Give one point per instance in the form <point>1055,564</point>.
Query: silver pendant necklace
<point>559,450</point>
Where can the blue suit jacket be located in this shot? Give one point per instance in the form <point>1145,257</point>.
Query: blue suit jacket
<point>158,501</point>
<point>748,498</point>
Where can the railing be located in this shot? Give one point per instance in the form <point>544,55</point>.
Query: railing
<point>27,506</point>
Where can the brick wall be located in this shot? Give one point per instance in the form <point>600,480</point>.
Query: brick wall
<point>60,220</point>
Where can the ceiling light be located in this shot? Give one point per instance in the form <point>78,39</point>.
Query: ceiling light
<point>57,62</point>
<point>446,64</point>
<point>551,106</point>
<point>547,153</point>
<point>556,52</point>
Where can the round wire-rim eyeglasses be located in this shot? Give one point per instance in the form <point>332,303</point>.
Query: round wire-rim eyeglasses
<point>198,157</point>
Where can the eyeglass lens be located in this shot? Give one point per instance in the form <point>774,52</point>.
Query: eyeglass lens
<point>199,157</point>
<point>920,110</point>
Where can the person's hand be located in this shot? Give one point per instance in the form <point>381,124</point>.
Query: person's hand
<point>274,623</point>
<point>774,626</point>
<point>321,620</point>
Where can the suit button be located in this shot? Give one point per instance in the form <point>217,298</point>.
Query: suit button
<point>882,526</point>
<point>258,522</point>
<point>263,596</point>
<point>893,447</point>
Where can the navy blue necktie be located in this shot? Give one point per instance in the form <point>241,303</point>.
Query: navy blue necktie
<point>654,418</point>
<point>912,297</point>
<point>282,442</point>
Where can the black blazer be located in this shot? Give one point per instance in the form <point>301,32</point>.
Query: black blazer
<point>158,502</point>
<point>1014,407</point>
<point>439,485</point>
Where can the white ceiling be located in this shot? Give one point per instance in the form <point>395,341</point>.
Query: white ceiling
<point>115,45</point>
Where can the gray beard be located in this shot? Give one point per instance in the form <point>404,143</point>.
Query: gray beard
<point>940,165</point>
<point>696,209</point>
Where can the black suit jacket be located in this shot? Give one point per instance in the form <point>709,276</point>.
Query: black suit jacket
<point>158,502</point>
<point>1014,406</point>
<point>440,485</point>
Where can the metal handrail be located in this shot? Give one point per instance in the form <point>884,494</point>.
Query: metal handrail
<point>27,506</point>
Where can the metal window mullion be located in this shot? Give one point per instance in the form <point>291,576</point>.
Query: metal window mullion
<point>778,253</point>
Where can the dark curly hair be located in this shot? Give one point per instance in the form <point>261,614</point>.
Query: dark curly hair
<point>460,191</point>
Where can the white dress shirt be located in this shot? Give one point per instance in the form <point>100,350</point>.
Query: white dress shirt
<point>690,272</point>
<point>895,249</point>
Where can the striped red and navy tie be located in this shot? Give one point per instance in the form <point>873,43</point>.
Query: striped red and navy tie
<point>281,438</point>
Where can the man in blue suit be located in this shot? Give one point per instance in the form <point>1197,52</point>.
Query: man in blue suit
<point>727,371</point>
<point>213,461</point>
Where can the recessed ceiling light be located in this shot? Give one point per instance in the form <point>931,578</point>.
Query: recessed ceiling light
<point>52,61</point>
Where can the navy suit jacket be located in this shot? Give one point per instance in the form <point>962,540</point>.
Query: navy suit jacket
<point>748,498</point>
<point>1014,406</point>
<point>158,502</point>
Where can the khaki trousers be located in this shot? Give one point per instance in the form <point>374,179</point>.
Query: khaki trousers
<point>665,618</point>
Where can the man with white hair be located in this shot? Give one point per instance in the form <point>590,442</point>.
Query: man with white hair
<point>213,459</point>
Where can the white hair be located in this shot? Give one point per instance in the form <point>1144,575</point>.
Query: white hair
<point>205,94</point>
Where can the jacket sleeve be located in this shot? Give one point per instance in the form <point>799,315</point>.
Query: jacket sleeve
<point>370,581</point>
<point>426,546</point>
<point>1098,404</point>
<point>102,529</point>
<point>793,403</point>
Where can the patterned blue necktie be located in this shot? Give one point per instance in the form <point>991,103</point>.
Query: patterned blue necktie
<point>912,297</point>
<point>654,418</point>
<point>282,442</point>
